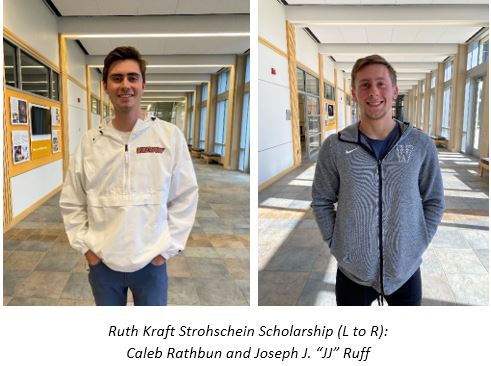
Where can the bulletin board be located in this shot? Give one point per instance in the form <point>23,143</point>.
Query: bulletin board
<point>24,154</point>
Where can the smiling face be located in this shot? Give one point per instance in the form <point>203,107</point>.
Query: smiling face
<point>374,93</point>
<point>125,86</point>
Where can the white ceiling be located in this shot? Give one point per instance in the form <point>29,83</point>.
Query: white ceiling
<point>150,7</point>
<point>116,22</point>
<point>417,31</point>
<point>384,2</point>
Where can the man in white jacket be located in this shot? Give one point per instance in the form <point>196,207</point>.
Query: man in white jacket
<point>130,195</point>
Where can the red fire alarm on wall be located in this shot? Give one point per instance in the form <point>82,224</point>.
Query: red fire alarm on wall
<point>273,71</point>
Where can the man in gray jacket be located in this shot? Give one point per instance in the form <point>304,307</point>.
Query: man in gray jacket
<point>385,178</point>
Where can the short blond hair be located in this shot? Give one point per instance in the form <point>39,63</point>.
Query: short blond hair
<point>372,60</point>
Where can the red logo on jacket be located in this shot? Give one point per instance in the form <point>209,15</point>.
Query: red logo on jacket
<point>150,149</point>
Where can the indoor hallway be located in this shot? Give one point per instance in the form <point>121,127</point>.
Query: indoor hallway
<point>296,268</point>
<point>40,268</point>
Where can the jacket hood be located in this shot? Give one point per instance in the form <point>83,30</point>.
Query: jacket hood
<point>351,133</point>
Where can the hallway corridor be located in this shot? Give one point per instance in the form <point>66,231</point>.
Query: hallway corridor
<point>296,268</point>
<point>40,268</point>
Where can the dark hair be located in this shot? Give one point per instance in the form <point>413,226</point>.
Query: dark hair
<point>123,53</point>
<point>371,60</point>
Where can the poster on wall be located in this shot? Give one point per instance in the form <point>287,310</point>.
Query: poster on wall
<point>18,111</point>
<point>55,116</point>
<point>330,111</point>
<point>55,141</point>
<point>20,143</point>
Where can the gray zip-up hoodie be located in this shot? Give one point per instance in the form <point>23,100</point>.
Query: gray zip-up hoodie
<point>387,211</point>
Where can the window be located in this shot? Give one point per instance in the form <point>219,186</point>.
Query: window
<point>432,109</point>
<point>204,92</point>
<point>477,52</point>
<point>10,65</point>
<point>223,81</point>
<point>311,84</point>
<point>448,71</point>
<point>191,120</point>
<point>447,95</point>
<point>472,55</point>
<point>55,85</point>
<point>433,80</point>
<point>247,70</point>
<point>244,136</point>
<point>25,72</point>
<point>328,91</point>
<point>483,50</point>
<point>202,128</point>
<point>467,115</point>
<point>220,127</point>
<point>34,75</point>
<point>301,80</point>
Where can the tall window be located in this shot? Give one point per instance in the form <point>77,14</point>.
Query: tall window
<point>448,71</point>
<point>447,99</point>
<point>220,127</point>
<point>422,117</point>
<point>467,115</point>
<point>191,120</point>
<point>447,95</point>
<point>221,113</point>
<point>244,136</point>
<point>203,115</point>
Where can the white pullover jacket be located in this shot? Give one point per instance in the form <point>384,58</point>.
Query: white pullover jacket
<point>128,203</point>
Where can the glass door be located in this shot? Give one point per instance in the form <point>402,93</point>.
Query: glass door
<point>312,125</point>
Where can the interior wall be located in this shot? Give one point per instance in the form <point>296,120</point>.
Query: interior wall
<point>328,69</point>
<point>77,114</point>
<point>32,186</point>
<point>76,61</point>
<point>275,145</point>
<point>307,50</point>
<point>271,23</point>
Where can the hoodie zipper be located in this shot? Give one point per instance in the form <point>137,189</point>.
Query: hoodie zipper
<point>126,169</point>
<point>380,299</point>
<point>380,232</point>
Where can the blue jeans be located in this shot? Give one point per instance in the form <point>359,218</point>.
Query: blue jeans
<point>349,293</point>
<point>148,285</point>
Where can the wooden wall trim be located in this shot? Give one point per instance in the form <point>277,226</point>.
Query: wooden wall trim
<point>272,47</point>
<point>7,194</point>
<point>292,73</point>
<point>64,104</point>
<point>230,117</point>
<point>308,70</point>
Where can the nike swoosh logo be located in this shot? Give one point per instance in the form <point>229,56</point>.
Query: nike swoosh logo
<point>350,151</point>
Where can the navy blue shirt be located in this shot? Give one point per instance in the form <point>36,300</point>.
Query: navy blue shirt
<point>381,147</point>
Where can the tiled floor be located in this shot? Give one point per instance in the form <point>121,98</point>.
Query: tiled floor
<point>40,268</point>
<point>296,268</point>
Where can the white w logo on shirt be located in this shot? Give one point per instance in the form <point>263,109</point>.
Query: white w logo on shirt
<point>404,153</point>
